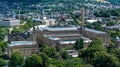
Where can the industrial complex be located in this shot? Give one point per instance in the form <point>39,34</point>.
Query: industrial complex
<point>53,35</point>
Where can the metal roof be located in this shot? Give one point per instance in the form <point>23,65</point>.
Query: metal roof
<point>94,31</point>
<point>16,43</point>
<point>59,35</point>
<point>61,28</point>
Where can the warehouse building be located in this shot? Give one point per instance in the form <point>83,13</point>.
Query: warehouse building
<point>25,47</point>
<point>92,34</point>
<point>67,35</point>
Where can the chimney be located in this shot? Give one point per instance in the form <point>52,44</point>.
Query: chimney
<point>83,29</point>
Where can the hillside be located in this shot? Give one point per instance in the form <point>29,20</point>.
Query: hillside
<point>44,0</point>
<point>34,1</point>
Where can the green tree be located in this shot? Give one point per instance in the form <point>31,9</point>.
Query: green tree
<point>64,54</point>
<point>103,59</point>
<point>89,25</point>
<point>57,63</point>
<point>3,45</point>
<point>43,47</point>
<point>110,23</point>
<point>111,46</point>
<point>34,61</point>
<point>97,25</point>
<point>17,58</point>
<point>2,62</point>
<point>1,53</point>
<point>3,32</point>
<point>116,53</point>
<point>75,62</point>
<point>95,45</point>
<point>57,47</point>
<point>51,65</point>
<point>45,59</point>
<point>102,13</point>
<point>79,44</point>
<point>50,51</point>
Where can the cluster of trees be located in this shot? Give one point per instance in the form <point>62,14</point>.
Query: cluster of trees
<point>96,55</point>
<point>107,13</point>
<point>96,25</point>
<point>110,23</point>
<point>3,32</point>
<point>100,56</point>
<point>48,57</point>
<point>3,57</point>
<point>22,28</point>
<point>114,33</point>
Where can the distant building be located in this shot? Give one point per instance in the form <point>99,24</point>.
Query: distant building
<point>25,47</point>
<point>9,22</point>
<point>91,21</point>
<point>49,22</point>
<point>117,26</point>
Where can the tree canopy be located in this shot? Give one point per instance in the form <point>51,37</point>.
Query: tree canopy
<point>17,58</point>
<point>79,44</point>
<point>2,62</point>
<point>103,59</point>
<point>88,53</point>
<point>34,61</point>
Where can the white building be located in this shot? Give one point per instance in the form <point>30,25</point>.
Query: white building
<point>91,21</point>
<point>9,22</point>
<point>49,22</point>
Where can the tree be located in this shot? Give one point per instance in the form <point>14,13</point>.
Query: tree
<point>50,51</point>
<point>64,54</point>
<point>57,47</point>
<point>17,59</point>
<point>43,47</point>
<point>1,53</point>
<point>110,23</point>
<point>57,63</point>
<point>75,62</point>
<point>116,53</point>
<point>34,61</point>
<point>97,26</point>
<point>2,62</point>
<point>89,25</point>
<point>82,53</point>
<point>79,44</point>
<point>95,45</point>
<point>104,13</point>
<point>3,45</point>
<point>51,65</point>
<point>3,32</point>
<point>45,59</point>
<point>103,59</point>
<point>111,46</point>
